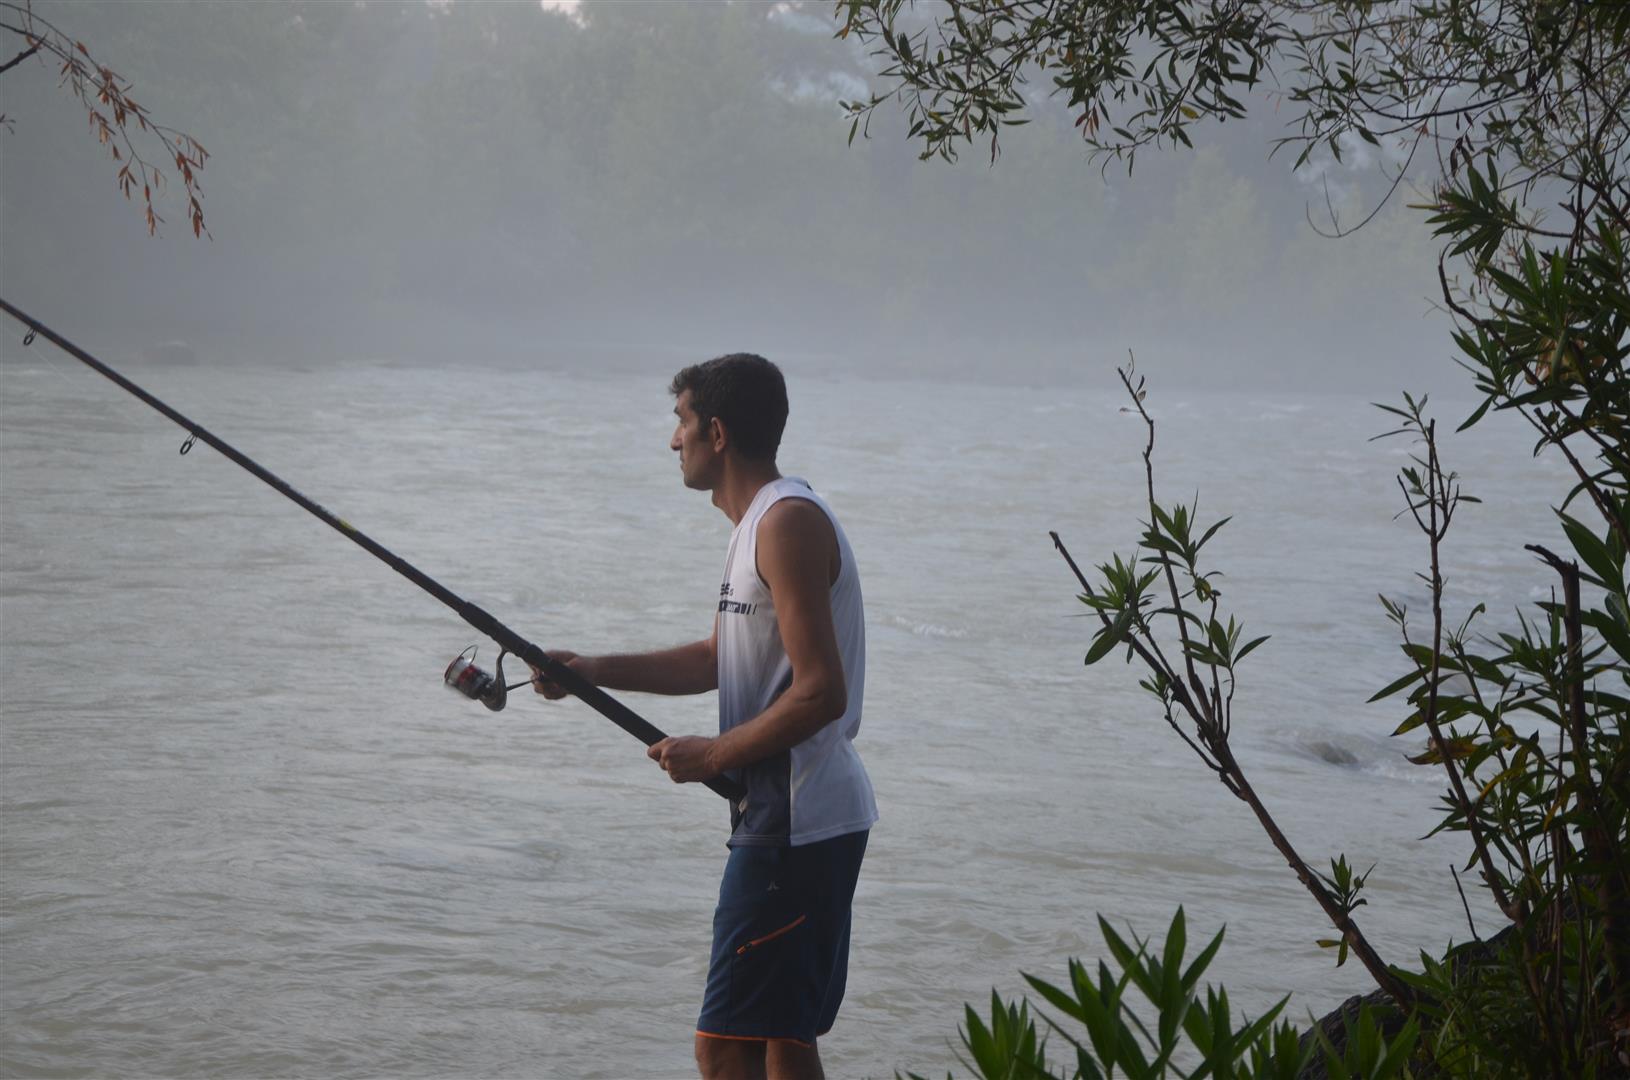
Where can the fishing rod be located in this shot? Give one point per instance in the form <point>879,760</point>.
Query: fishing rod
<point>462,674</point>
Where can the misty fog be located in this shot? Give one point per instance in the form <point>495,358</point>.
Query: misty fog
<point>622,186</point>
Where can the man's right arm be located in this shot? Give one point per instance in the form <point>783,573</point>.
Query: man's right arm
<point>685,669</point>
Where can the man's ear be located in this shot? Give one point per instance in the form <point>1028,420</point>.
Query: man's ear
<point>717,434</point>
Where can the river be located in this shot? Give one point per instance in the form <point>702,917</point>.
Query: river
<point>247,833</point>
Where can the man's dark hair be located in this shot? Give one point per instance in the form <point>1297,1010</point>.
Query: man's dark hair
<point>746,392</point>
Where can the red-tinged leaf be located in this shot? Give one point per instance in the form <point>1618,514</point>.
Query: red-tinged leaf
<point>80,45</point>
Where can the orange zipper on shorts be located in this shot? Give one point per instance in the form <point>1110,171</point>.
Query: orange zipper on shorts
<point>772,935</point>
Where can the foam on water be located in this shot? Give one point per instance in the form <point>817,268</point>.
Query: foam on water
<point>923,629</point>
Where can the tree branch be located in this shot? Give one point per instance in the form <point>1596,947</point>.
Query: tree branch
<point>19,58</point>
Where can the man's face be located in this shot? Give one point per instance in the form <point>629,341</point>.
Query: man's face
<point>693,441</point>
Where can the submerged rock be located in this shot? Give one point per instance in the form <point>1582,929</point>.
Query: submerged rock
<point>1335,755</point>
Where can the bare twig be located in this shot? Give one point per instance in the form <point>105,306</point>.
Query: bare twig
<point>1470,925</point>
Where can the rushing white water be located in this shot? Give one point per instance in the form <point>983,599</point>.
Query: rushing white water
<point>247,833</point>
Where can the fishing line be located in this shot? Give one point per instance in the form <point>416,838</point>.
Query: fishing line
<point>111,406</point>
<point>462,674</point>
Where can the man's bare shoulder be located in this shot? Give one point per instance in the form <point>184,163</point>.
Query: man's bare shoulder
<point>795,533</point>
<point>793,517</point>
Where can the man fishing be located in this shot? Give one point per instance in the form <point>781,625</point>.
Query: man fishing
<point>788,658</point>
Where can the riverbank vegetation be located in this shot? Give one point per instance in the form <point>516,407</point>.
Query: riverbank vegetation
<point>1506,127</point>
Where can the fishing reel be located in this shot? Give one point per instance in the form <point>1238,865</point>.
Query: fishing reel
<point>462,675</point>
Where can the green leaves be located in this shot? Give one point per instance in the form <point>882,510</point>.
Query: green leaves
<point>1603,554</point>
<point>1171,531</point>
<point>1475,215</point>
<point>1121,599</point>
<point>1398,684</point>
<point>1221,647</point>
<point>1367,1053</point>
<point>1110,636</point>
<point>961,81</point>
<point>1111,1038</point>
<point>1344,886</point>
<point>1192,677</point>
<point>1008,1047</point>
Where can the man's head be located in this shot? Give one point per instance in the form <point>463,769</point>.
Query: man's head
<point>731,403</point>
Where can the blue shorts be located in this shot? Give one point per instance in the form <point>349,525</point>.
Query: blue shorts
<point>781,941</point>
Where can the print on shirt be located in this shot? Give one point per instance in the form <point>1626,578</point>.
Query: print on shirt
<point>733,607</point>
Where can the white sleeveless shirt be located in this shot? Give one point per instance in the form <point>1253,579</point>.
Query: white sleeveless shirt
<point>818,789</point>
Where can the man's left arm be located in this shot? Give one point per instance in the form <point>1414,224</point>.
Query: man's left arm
<point>797,558</point>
